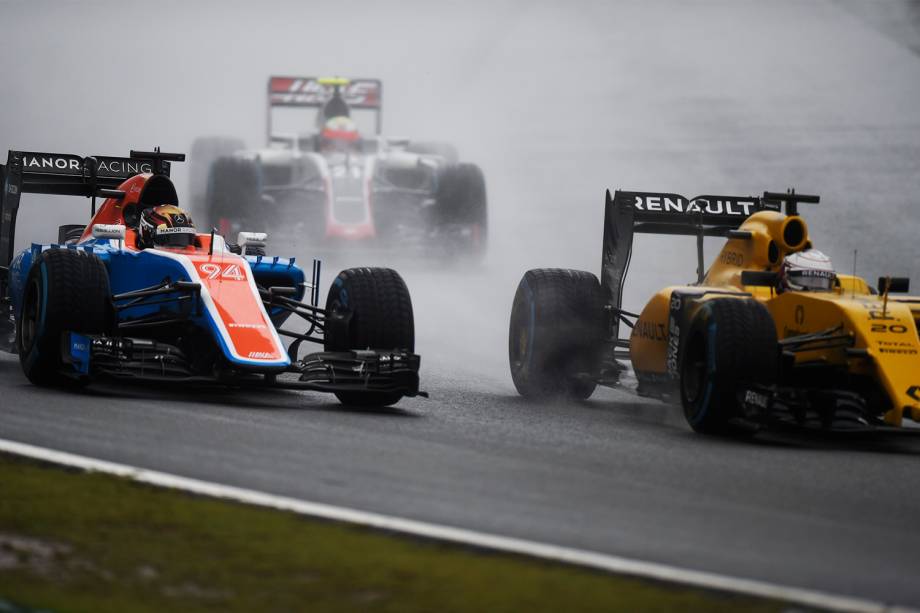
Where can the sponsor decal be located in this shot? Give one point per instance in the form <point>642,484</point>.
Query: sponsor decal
<point>102,230</point>
<point>914,392</point>
<point>708,206</point>
<point>181,230</point>
<point>310,92</point>
<point>673,351</point>
<point>247,326</point>
<point>799,314</point>
<point>732,258</point>
<point>12,189</point>
<point>261,355</point>
<point>72,165</point>
<point>58,164</point>
<point>756,399</point>
<point>119,167</point>
<point>651,331</point>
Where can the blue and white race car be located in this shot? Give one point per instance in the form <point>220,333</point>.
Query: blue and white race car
<point>139,293</point>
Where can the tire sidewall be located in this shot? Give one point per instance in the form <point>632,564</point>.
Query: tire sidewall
<point>700,411</point>
<point>38,354</point>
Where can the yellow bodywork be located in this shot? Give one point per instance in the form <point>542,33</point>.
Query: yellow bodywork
<point>886,343</point>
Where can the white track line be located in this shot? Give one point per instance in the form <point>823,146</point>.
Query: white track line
<point>615,564</point>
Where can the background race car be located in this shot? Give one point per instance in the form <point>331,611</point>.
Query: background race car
<point>341,183</point>
<point>769,334</point>
<point>185,306</point>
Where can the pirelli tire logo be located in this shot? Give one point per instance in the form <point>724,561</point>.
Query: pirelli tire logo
<point>673,352</point>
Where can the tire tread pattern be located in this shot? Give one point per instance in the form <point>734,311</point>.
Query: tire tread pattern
<point>745,352</point>
<point>567,332</point>
<point>78,300</point>
<point>381,318</point>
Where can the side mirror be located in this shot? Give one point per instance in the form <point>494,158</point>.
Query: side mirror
<point>893,285</point>
<point>112,231</point>
<point>759,278</point>
<point>252,243</point>
<point>255,239</point>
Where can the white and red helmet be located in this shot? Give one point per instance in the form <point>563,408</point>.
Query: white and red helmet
<point>339,134</point>
<point>808,270</point>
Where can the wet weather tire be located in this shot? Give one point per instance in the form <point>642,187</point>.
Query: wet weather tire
<point>444,150</point>
<point>67,291</point>
<point>233,194</point>
<point>204,152</point>
<point>462,209</point>
<point>556,334</point>
<point>377,304</point>
<point>731,342</point>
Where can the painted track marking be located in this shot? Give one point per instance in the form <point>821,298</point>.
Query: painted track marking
<point>589,559</point>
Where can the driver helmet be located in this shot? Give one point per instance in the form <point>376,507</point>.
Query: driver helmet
<point>165,226</point>
<point>808,270</point>
<point>339,134</point>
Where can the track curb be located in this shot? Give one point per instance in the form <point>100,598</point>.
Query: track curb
<point>587,559</point>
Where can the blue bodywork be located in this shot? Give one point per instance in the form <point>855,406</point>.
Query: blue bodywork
<point>136,270</point>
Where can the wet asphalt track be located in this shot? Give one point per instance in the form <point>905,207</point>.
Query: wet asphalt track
<point>726,97</point>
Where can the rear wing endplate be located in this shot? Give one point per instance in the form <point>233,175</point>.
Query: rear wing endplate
<point>627,213</point>
<point>64,174</point>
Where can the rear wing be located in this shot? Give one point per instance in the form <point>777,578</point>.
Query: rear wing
<point>64,174</point>
<point>314,92</point>
<point>627,213</point>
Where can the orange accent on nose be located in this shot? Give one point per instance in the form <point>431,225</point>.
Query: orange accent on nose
<point>227,279</point>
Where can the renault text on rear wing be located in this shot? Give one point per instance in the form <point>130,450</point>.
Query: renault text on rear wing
<point>724,211</point>
<point>627,213</point>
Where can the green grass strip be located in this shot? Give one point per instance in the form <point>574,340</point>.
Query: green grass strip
<point>74,541</point>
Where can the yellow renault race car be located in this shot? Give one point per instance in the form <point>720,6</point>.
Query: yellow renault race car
<point>768,335</point>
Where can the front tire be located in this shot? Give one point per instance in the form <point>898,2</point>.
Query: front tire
<point>731,342</point>
<point>67,290</point>
<point>376,309</point>
<point>556,334</point>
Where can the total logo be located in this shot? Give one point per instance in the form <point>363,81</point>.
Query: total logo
<point>227,272</point>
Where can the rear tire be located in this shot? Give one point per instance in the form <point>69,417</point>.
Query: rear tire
<point>381,317</point>
<point>462,209</point>
<point>233,196</point>
<point>67,290</point>
<point>556,334</point>
<point>731,342</point>
<point>202,155</point>
<point>445,150</point>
